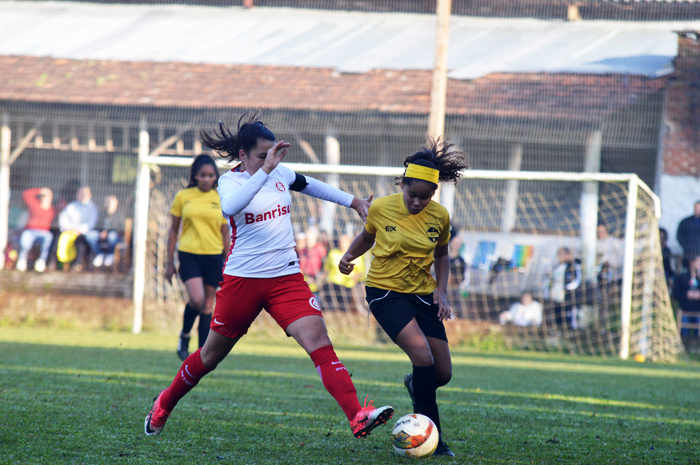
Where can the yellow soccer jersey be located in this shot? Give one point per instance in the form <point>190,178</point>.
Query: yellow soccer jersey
<point>403,252</point>
<point>201,218</point>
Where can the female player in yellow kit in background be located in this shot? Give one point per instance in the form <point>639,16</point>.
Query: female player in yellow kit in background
<point>411,233</point>
<point>203,241</point>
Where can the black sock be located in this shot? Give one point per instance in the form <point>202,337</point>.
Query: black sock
<point>188,319</point>
<point>204,323</point>
<point>426,393</point>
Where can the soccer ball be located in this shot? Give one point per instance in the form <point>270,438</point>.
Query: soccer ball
<point>414,435</point>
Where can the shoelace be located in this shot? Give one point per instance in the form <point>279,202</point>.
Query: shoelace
<point>371,403</point>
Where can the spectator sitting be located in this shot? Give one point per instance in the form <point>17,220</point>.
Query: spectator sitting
<point>526,312</point>
<point>564,284</point>
<point>79,217</point>
<point>38,227</point>
<point>666,255</point>
<point>311,258</point>
<point>103,240</point>
<point>688,235</point>
<point>686,291</point>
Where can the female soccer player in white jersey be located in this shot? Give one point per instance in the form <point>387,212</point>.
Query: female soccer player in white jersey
<point>411,233</point>
<point>262,270</point>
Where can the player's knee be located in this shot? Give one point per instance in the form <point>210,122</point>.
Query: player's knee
<point>196,304</point>
<point>421,356</point>
<point>311,342</point>
<point>442,378</point>
<point>211,358</point>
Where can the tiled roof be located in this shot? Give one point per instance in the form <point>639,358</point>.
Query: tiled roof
<point>573,97</point>
<point>347,42</point>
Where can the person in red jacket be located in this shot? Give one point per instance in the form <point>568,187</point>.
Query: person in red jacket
<point>38,227</point>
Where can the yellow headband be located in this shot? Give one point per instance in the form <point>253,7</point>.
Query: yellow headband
<point>422,172</point>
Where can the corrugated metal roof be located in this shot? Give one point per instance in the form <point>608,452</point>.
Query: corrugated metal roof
<point>348,42</point>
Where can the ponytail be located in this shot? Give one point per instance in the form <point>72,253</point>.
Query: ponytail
<point>438,155</point>
<point>229,145</point>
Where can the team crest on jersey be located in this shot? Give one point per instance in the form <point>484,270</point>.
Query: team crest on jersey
<point>433,234</point>
<point>313,301</point>
<point>279,186</point>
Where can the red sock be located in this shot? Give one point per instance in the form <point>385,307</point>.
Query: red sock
<point>186,379</point>
<point>336,379</point>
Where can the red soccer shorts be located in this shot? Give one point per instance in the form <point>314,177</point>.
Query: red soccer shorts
<point>240,301</point>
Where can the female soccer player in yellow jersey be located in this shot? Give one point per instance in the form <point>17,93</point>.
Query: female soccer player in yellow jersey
<point>411,233</point>
<point>203,241</point>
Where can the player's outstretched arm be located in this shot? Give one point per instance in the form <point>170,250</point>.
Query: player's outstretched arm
<point>320,190</point>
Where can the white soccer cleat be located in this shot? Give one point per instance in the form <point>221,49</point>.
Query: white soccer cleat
<point>22,264</point>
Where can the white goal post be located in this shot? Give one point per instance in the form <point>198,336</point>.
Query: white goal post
<point>642,320</point>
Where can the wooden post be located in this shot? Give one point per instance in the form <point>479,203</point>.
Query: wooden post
<point>589,205</point>
<point>438,92</point>
<point>141,209</point>
<point>329,208</point>
<point>5,144</point>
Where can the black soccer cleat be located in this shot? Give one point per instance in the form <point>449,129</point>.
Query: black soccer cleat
<point>183,348</point>
<point>408,382</point>
<point>443,450</point>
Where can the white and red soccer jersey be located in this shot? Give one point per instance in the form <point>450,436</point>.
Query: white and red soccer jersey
<point>262,237</point>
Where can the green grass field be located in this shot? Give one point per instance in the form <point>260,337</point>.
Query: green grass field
<point>71,397</point>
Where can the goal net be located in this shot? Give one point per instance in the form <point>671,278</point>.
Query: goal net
<point>584,247</point>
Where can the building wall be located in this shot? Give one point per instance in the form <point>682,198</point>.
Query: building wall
<point>680,183</point>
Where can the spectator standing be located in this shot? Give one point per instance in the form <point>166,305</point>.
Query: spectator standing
<point>610,255</point>
<point>686,290</point>
<point>311,258</point>
<point>38,227</point>
<point>525,312</point>
<point>79,217</point>
<point>458,265</point>
<point>666,255</point>
<point>339,287</point>
<point>564,284</point>
<point>103,240</point>
<point>688,235</point>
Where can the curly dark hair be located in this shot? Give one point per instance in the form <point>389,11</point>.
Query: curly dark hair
<point>246,137</point>
<point>437,154</point>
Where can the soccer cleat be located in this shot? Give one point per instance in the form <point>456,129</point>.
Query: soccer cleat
<point>21,264</point>
<point>109,259</point>
<point>408,382</point>
<point>156,418</point>
<point>369,417</point>
<point>183,347</point>
<point>442,449</point>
